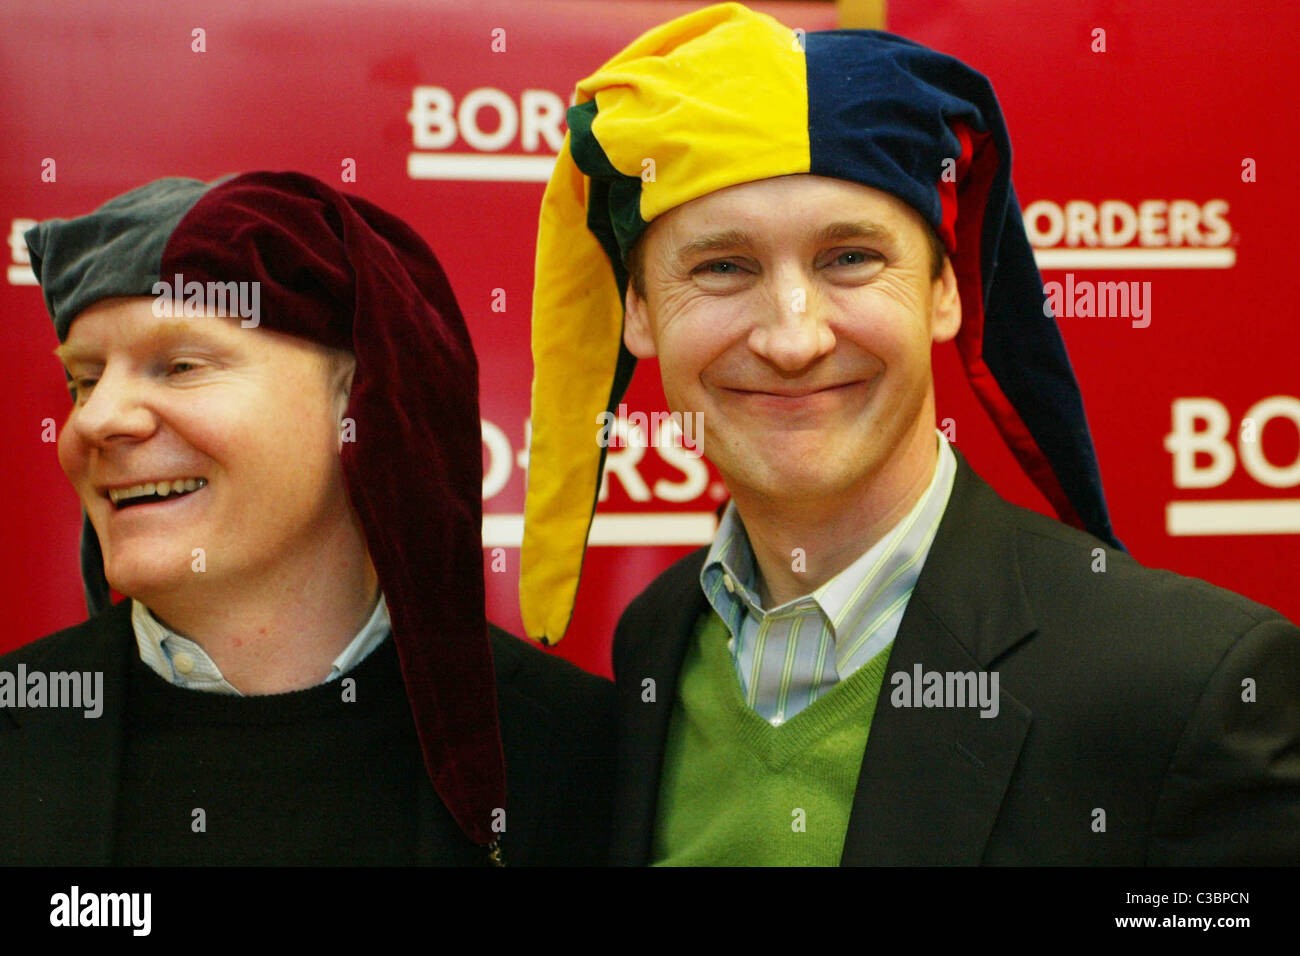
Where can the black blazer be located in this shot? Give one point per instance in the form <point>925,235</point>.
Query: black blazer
<point>59,772</point>
<point>1119,690</point>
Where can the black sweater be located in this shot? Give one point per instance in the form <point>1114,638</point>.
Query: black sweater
<point>288,778</point>
<point>298,778</point>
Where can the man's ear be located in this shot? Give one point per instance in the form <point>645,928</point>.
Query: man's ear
<point>945,315</point>
<point>637,335</point>
<point>344,368</point>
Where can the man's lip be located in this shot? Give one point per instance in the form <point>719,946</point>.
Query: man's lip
<point>143,502</point>
<point>123,485</point>
<point>117,512</point>
<point>796,392</point>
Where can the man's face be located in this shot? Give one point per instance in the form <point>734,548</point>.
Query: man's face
<point>247,418</point>
<point>797,315</point>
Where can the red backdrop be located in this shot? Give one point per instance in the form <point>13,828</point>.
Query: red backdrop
<point>1160,112</point>
<point>1143,129</point>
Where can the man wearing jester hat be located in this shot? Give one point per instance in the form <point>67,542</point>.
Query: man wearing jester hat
<point>275,438</point>
<point>878,660</point>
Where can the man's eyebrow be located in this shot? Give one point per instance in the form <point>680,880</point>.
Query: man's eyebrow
<point>833,232</point>
<point>67,354</point>
<point>871,231</point>
<point>712,242</point>
<point>159,336</point>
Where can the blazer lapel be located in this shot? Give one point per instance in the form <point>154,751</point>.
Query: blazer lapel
<point>66,766</point>
<point>650,645</point>
<point>932,779</point>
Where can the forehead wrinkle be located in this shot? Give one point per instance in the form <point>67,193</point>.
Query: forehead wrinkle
<point>172,330</point>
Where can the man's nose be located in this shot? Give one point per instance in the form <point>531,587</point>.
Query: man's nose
<point>796,330</point>
<point>114,410</point>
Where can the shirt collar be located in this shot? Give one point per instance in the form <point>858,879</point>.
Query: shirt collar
<point>729,577</point>
<point>181,661</point>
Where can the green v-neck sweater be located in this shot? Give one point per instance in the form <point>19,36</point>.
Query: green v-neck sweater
<point>736,791</point>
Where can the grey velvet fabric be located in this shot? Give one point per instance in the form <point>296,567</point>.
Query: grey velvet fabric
<point>114,251</point>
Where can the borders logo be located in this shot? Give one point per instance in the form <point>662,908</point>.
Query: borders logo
<point>20,262</point>
<point>1169,234</point>
<point>489,121</point>
<point>1201,442</point>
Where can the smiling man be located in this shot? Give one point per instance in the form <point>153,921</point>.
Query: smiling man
<point>822,421</point>
<point>209,512</point>
<point>289,499</point>
<point>877,660</point>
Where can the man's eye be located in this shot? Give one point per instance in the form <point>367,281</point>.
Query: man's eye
<point>180,368</point>
<point>854,257</point>
<point>722,275</point>
<point>79,388</point>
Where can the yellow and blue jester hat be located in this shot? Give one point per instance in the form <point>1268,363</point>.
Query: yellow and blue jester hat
<point>724,96</point>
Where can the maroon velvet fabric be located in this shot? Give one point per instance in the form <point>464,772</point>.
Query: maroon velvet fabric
<point>338,270</point>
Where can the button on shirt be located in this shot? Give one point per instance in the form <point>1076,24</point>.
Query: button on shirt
<point>184,663</point>
<point>788,656</point>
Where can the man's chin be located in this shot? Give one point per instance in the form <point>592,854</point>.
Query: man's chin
<point>794,479</point>
<point>147,580</point>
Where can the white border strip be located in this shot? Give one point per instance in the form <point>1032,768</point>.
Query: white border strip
<point>1218,258</point>
<point>480,167</point>
<point>22,275</point>
<point>692,528</point>
<point>1271,516</point>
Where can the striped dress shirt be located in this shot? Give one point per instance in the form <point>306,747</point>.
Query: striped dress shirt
<point>787,657</point>
<point>182,662</point>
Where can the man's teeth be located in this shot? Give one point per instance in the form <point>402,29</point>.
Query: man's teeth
<point>159,489</point>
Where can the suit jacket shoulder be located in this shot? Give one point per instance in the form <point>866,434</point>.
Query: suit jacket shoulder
<point>671,601</point>
<point>1048,544</point>
<point>1198,688</point>
<point>73,647</point>
<point>557,730</point>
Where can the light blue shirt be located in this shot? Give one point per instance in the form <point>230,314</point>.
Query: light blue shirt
<point>789,656</point>
<point>182,662</point>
